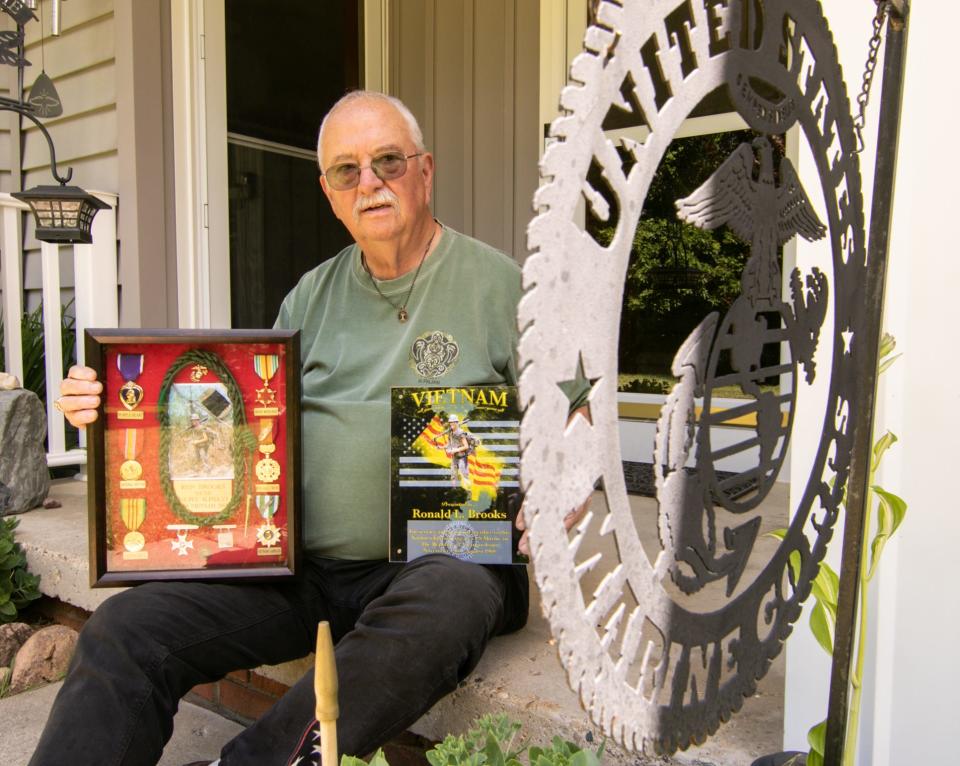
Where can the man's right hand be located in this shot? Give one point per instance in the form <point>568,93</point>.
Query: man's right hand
<point>80,396</point>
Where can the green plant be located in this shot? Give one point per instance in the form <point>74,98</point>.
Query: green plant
<point>492,742</point>
<point>17,586</point>
<point>890,512</point>
<point>34,357</point>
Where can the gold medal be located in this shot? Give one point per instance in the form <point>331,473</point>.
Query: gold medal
<point>266,365</point>
<point>130,470</point>
<point>268,470</point>
<point>268,535</point>
<point>133,511</point>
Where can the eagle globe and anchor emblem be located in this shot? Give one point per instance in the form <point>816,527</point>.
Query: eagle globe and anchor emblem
<point>766,214</point>
<point>656,665</point>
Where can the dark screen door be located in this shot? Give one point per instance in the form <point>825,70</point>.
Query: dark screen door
<point>287,63</point>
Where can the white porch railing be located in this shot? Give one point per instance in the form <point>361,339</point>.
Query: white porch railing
<point>95,304</point>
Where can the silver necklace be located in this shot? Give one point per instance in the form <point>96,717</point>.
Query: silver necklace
<point>401,309</point>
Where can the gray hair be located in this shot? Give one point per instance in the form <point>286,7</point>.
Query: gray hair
<point>371,95</point>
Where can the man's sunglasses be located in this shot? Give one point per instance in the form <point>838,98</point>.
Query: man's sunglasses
<point>386,167</point>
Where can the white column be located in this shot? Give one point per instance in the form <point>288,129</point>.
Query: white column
<point>53,346</point>
<point>12,253</point>
<point>95,275</point>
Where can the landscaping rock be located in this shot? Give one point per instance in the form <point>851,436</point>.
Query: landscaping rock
<point>43,658</point>
<point>12,636</point>
<point>23,459</point>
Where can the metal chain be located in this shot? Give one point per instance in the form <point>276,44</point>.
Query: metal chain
<point>864,98</point>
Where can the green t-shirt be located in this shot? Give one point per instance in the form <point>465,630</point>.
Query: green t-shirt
<point>461,331</point>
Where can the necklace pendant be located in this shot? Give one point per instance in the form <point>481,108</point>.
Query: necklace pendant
<point>402,314</point>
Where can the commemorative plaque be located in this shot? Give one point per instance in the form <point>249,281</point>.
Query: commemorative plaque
<point>194,459</point>
<point>455,487</point>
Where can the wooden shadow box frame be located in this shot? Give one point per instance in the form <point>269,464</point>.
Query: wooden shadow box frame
<point>194,459</point>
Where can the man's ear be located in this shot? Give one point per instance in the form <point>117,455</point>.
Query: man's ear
<point>426,172</point>
<point>328,193</point>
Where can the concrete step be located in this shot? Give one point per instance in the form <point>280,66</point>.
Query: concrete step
<point>197,733</point>
<point>520,675</point>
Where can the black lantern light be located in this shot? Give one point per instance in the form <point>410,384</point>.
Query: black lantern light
<point>64,214</point>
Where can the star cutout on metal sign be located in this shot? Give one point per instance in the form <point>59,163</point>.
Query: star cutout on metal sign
<point>573,388</point>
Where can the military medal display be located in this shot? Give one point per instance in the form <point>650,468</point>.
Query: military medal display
<point>131,394</point>
<point>194,460</point>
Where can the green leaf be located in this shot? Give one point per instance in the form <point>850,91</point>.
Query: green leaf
<point>817,739</point>
<point>378,759</point>
<point>350,760</point>
<point>826,588</point>
<point>890,514</point>
<point>888,345</point>
<point>884,443</point>
<point>885,364</point>
<point>584,758</point>
<point>780,534</point>
<point>7,609</point>
<point>796,563</point>
<point>820,626</point>
<point>896,506</point>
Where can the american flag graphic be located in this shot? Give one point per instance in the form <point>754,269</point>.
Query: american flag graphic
<point>493,464</point>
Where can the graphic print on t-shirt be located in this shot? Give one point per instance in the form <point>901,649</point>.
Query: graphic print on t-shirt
<point>434,354</point>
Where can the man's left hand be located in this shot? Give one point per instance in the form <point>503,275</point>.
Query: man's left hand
<point>569,521</point>
<point>572,518</point>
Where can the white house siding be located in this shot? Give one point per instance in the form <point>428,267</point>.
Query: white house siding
<point>81,64</point>
<point>469,70</point>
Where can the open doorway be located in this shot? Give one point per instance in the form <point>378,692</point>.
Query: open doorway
<point>284,69</point>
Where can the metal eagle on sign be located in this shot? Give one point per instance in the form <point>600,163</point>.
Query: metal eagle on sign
<point>663,642</point>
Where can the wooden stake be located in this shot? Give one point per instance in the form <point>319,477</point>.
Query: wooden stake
<point>325,691</point>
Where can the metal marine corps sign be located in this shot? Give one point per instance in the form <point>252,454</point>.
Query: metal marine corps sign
<point>663,642</point>
<point>194,459</point>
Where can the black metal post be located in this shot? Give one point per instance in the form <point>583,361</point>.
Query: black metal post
<point>891,98</point>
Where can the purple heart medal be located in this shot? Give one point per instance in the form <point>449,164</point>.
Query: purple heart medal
<point>131,394</point>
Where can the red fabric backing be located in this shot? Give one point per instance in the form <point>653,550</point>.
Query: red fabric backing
<point>205,554</point>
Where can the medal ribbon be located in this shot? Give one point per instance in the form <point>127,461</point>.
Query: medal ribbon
<point>266,365</point>
<point>268,427</point>
<point>133,510</point>
<point>268,505</point>
<point>132,443</point>
<point>130,365</point>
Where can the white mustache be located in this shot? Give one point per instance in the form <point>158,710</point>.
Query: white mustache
<point>379,197</point>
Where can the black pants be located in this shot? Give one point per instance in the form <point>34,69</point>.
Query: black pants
<point>405,636</point>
